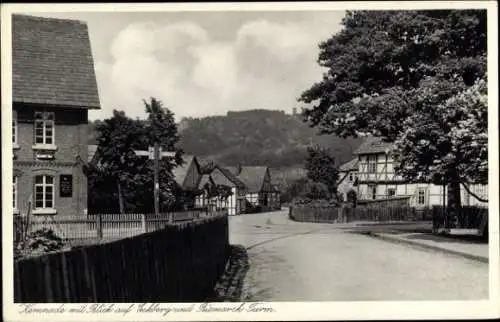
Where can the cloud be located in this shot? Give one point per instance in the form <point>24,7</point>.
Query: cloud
<point>265,64</point>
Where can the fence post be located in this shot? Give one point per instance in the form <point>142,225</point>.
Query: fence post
<point>143,223</point>
<point>99,226</point>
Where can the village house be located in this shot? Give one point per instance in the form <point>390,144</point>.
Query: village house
<point>53,87</point>
<point>260,192</point>
<point>187,176</point>
<point>348,177</point>
<point>219,176</point>
<point>377,179</point>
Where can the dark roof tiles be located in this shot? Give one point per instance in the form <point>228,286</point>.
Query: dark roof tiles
<point>373,145</point>
<point>349,166</point>
<point>52,63</point>
<point>253,177</point>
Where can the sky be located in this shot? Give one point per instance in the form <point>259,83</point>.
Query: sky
<point>204,63</point>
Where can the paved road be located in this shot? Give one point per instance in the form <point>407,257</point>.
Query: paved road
<point>292,261</point>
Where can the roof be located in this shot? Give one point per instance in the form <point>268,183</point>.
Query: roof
<point>180,172</point>
<point>253,177</point>
<point>52,63</point>
<point>234,179</point>
<point>349,166</point>
<point>204,180</point>
<point>373,145</point>
<point>92,149</point>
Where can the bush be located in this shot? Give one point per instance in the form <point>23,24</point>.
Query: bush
<point>38,242</point>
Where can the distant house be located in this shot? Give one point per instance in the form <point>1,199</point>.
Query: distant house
<point>53,87</point>
<point>348,178</point>
<point>377,179</point>
<point>187,176</point>
<point>259,189</point>
<point>219,176</point>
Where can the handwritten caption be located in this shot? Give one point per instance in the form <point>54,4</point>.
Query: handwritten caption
<point>162,309</point>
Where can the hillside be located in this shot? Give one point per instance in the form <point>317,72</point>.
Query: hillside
<point>255,137</point>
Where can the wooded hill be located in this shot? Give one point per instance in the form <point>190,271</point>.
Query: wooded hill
<point>255,137</point>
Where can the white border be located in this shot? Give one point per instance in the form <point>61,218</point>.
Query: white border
<point>283,310</point>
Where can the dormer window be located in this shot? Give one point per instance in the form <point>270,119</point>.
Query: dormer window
<point>44,135</point>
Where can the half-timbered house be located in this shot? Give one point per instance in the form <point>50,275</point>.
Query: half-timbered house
<point>219,176</point>
<point>260,190</point>
<point>377,179</point>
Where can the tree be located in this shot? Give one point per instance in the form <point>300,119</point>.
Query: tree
<point>320,166</point>
<point>404,76</point>
<point>160,128</point>
<point>118,138</point>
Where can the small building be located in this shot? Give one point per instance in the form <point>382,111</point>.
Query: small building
<point>187,176</point>
<point>260,191</point>
<point>219,176</point>
<point>348,178</point>
<point>53,87</point>
<point>377,179</point>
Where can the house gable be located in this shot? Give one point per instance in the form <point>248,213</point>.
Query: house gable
<point>52,63</point>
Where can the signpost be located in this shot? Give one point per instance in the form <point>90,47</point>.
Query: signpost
<point>155,153</point>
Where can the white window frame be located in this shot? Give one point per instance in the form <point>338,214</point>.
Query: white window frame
<point>424,195</point>
<point>46,119</point>
<point>44,185</point>
<point>15,130</point>
<point>15,192</point>
<point>372,190</point>
<point>372,162</point>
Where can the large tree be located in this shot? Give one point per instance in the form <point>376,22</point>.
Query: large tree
<point>404,76</point>
<point>132,176</point>
<point>321,168</point>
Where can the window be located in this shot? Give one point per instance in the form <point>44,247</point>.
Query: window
<point>44,192</point>
<point>372,164</point>
<point>14,128</point>
<point>14,192</point>
<point>350,177</point>
<point>373,191</point>
<point>44,128</point>
<point>391,192</point>
<point>421,196</point>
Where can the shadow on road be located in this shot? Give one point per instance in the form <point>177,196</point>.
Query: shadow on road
<point>465,239</point>
<point>230,285</point>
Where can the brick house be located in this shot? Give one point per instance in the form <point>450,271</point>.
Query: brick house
<point>377,179</point>
<point>53,87</point>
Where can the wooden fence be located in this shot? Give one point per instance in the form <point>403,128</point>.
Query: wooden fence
<point>321,213</point>
<point>105,227</point>
<point>178,263</point>
<point>468,217</point>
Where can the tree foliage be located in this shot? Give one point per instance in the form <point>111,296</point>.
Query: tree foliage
<point>321,168</point>
<point>416,78</point>
<point>122,176</point>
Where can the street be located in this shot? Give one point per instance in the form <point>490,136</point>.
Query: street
<point>291,261</point>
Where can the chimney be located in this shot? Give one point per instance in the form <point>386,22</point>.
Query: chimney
<point>238,169</point>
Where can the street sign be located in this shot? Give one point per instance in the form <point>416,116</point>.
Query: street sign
<point>155,153</point>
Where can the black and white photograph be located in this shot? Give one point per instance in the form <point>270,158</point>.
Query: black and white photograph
<point>241,161</point>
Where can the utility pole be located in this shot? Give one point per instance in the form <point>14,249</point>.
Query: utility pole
<point>155,153</point>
